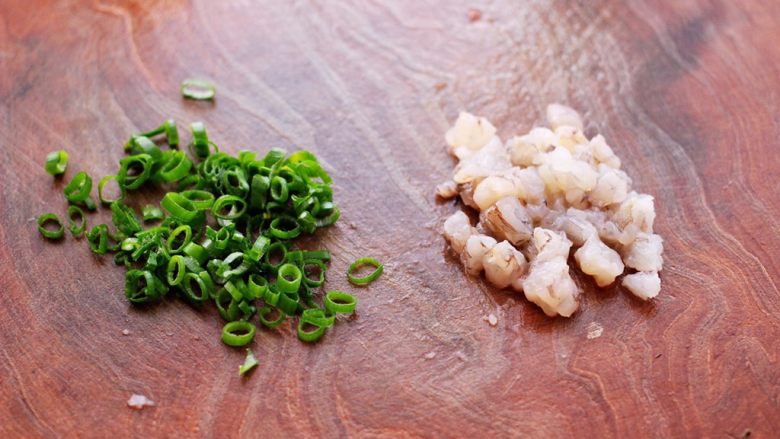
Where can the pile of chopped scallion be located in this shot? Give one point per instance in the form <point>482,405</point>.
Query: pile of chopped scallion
<point>224,233</point>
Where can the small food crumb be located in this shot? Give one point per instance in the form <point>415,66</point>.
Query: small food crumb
<point>492,319</point>
<point>138,402</point>
<point>474,15</point>
<point>440,86</point>
<point>125,332</point>
<point>594,330</point>
<point>461,356</point>
<point>430,355</point>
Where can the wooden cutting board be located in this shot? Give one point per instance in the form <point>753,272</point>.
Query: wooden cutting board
<point>686,92</point>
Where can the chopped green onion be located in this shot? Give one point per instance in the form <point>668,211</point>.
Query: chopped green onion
<point>98,239</point>
<point>176,167</point>
<point>176,270</point>
<point>320,266</point>
<point>366,279</point>
<point>310,336</point>
<point>288,302</point>
<point>339,302</point>
<point>236,207</point>
<point>231,311</point>
<point>179,207</point>
<point>79,187</point>
<point>279,189</point>
<point>287,232</point>
<point>89,203</point>
<point>202,200</point>
<point>249,363</point>
<point>124,218</point>
<point>272,250</point>
<point>103,199</point>
<point>77,221</point>
<point>318,317</point>
<point>198,89</point>
<point>200,140</point>
<point>238,333</point>
<point>57,162</point>
<point>266,311</point>
<point>257,286</point>
<point>152,213</point>
<point>171,133</point>
<point>144,145</point>
<point>244,261</point>
<point>50,218</point>
<point>204,286</point>
<point>134,171</point>
<point>289,278</point>
<point>142,286</point>
<point>171,243</point>
<point>322,255</point>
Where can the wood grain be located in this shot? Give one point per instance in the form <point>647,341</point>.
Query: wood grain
<point>685,91</point>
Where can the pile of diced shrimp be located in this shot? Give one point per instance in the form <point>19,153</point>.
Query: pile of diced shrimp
<point>539,196</point>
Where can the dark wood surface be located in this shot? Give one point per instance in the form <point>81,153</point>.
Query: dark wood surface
<point>685,91</point>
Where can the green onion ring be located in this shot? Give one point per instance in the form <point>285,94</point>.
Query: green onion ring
<point>77,229</point>
<point>280,233</point>
<point>288,302</point>
<point>179,207</point>
<point>339,302</point>
<point>288,278</point>
<point>176,167</point>
<point>310,336</point>
<point>176,270</point>
<point>171,133</point>
<point>228,201</point>
<point>200,140</point>
<point>98,239</point>
<point>231,311</point>
<point>198,89</point>
<point>272,295</point>
<point>314,282</point>
<point>276,246</point>
<point>279,189</point>
<point>127,181</point>
<point>102,183</point>
<point>169,244</point>
<point>57,162</point>
<point>47,218</point>
<point>202,200</point>
<point>79,187</point>
<point>263,313</point>
<point>318,317</point>
<point>234,182</point>
<point>144,145</point>
<point>366,279</point>
<point>203,281</point>
<point>257,286</point>
<point>152,288</point>
<point>330,219</point>
<point>230,336</point>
